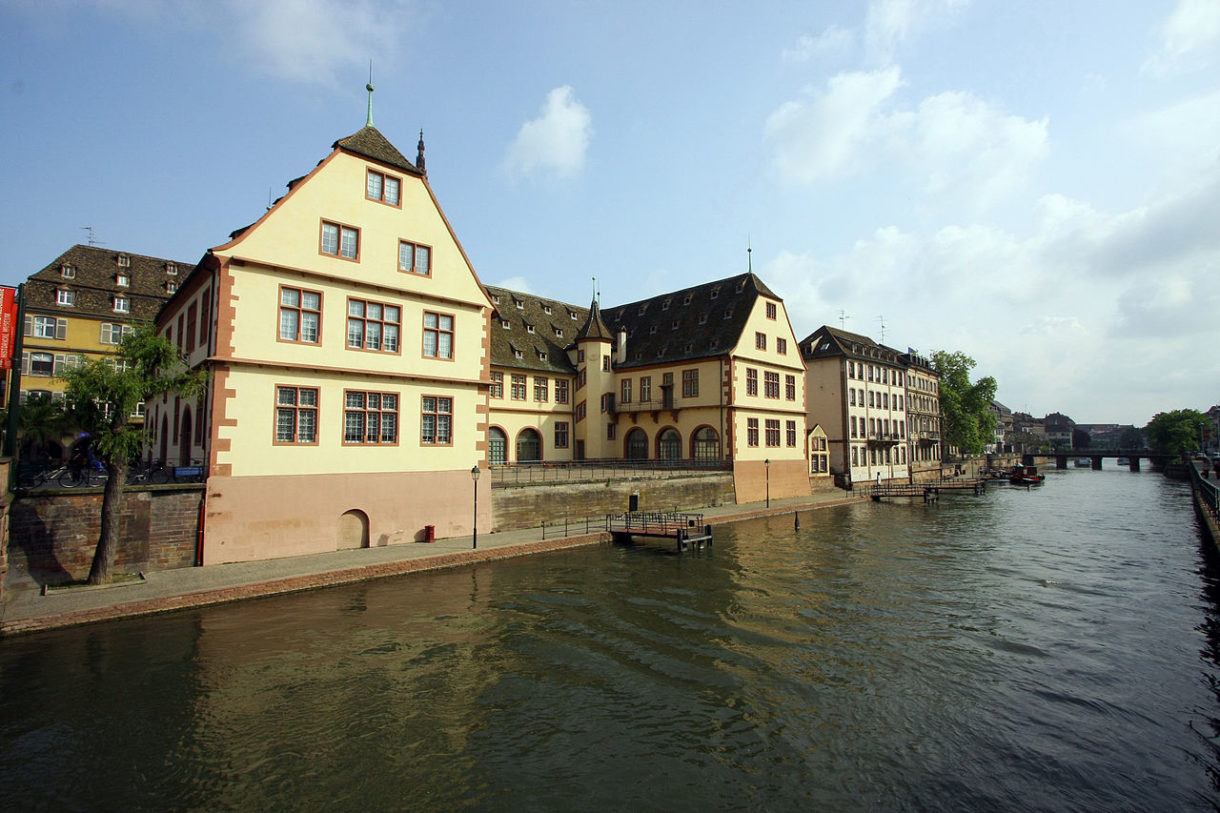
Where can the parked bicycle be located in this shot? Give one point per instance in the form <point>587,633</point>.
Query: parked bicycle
<point>153,472</point>
<point>87,476</point>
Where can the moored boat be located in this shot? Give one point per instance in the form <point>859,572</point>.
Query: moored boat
<point>1025,476</point>
<point>1083,463</point>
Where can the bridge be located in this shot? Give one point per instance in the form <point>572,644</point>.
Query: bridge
<point>1095,457</point>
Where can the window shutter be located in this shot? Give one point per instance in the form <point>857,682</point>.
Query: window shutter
<point>25,361</point>
<point>61,328</point>
<point>28,328</point>
<point>58,366</point>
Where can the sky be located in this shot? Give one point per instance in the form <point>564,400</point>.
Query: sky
<point>1034,184</point>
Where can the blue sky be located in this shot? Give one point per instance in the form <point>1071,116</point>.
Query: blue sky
<point>1036,184</point>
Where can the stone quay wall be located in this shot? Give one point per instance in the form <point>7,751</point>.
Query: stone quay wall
<point>53,534</point>
<point>528,506</point>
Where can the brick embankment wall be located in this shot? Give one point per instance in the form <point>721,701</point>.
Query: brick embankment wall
<point>529,506</point>
<point>53,534</point>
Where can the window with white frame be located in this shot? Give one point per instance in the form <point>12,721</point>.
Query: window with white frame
<point>122,304</point>
<point>373,325</point>
<point>300,315</point>
<point>435,421</point>
<point>65,297</point>
<point>438,335</point>
<point>414,258</point>
<point>113,333</point>
<point>382,187</point>
<point>122,280</point>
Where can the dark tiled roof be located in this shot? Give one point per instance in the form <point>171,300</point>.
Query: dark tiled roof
<point>594,327</point>
<point>552,332</point>
<point>828,342</point>
<point>370,143</point>
<point>693,323</point>
<point>94,281</point>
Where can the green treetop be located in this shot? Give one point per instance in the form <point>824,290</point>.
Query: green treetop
<point>966,419</point>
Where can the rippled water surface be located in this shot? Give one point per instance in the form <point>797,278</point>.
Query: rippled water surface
<point>1052,649</point>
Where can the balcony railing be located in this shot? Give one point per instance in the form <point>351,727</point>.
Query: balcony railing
<point>651,405</point>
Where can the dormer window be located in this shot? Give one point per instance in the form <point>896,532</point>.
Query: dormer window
<point>741,286</point>
<point>495,298</point>
<point>504,324</point>
<point>573,315</point>
<point>67,272</point>
<point>686,299</point>
<point>122,304</point>
<point>728,314</point>
<point>703,318</point>
<point>171,269</point>
<point>171,287</point>
<point>518,354</point>
<point>65,297</point>
<point>715,293</point>
<point>122,280</point>
<point>519,303</point>
<point>661,352</point>
<point>529,328</point>
<point>124,261</point>
<point>688,348</point>
<point>665,304</point>
<point>652,329</point>
<point>559,332</point>
<point>542,355</point>
<point>643,308</point>
<point>546,309</point>
<point>675,325</point>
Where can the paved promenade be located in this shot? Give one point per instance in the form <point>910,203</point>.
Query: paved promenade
<point>26,608</point>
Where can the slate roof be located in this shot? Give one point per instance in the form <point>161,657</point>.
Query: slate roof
<point>370,143</point>
<point>545,349</point>
<point>694,323</point>
<point>827,342</point>
<point>94,280</point>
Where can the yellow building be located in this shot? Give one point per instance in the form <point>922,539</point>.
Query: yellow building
<point>82,303</point>
<point>704,376</point>
<point>923,417</point>
<point>347,337</point>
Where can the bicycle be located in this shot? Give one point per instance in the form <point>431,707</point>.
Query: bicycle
<point>31,478</point>
<point>152,473</point>
<point>91,474</point>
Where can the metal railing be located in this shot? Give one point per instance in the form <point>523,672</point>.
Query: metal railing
<point>1208,492</point>
<point>589,471</point>
<point>559,529</point>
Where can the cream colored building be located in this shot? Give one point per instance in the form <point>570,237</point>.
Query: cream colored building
<point>346,333</point>
<point>857,393</point>
<point>923,417</point>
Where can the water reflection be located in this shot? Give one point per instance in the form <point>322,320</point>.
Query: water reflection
<point>1022,650</point>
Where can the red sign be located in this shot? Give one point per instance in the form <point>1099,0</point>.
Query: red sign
<point>8,326</point>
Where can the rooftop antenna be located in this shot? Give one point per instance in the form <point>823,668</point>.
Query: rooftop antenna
<point>843,317</point>
<point>90,240</point>
<point>596,294</point>
<point>749,256</point>
<point>881,319</point>
<point>369,88</point>
<point>270,196</point>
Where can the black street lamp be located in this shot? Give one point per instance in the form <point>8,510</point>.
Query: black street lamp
<point>767,463</point>
<point>474,475</point>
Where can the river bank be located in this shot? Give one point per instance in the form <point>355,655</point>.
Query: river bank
<point>29,607</point>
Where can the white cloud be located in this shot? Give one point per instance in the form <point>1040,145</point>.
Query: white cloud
<point>953,143</point>
<point>1187,39</point>
<point>891,22</point>
<point>520,284</point>
<point>554,143</point>
<point>829,135</point>
<point>832,41</point>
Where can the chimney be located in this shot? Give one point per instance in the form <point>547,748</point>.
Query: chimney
<point>622,347</point>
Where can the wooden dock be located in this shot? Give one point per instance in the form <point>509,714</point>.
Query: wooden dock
<point>930,492</point>
<point>685,529</point>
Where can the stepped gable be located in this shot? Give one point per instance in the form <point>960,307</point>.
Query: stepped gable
<point>94,280</point>
<point>545,349</point>
<point>693,323</point>
<point>370,143</point>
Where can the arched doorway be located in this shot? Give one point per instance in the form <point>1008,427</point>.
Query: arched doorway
<point>184,438</point>
<point>705,445</point>
<point>529,446</point>
<point>669,445</point>
<point>497,446</point>
<point>353,530</point>
<point>637,444</point>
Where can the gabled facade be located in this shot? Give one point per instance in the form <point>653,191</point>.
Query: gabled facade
<point>708,375</point>
<point>346,333</point>
<point>82,303</point>
<point>856,391</point>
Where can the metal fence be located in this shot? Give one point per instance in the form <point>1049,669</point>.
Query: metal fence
<point>1208,491</point>
<point>591,471</point>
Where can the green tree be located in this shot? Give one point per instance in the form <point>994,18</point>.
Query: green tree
<point>41,421</point>
<point>1176,432</point>
<point>967,421</point>
<point>1131,438</point>
<point>103,394</point>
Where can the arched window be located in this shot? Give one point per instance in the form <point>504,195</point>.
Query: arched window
<point>669,445</point>
<point>637,445</point>
<point>705,446</point>
<point>529,446</point>
<point>497,446</point>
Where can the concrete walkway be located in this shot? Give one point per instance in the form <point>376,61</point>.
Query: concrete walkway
<point>26,607</point>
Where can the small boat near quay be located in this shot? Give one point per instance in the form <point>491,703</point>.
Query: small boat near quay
<point>1025,476</point>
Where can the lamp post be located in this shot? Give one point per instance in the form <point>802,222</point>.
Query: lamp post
<point>767,463</point>
<point>474,475</point>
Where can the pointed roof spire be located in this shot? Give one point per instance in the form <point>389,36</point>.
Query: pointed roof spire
<point>419,155</point>
<point>594,327</point>
<point>369,88</point>
<point>749,256</point>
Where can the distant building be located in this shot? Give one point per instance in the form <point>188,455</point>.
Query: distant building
<point>1059,429</point>
<point>1003,428</point>
<point>857,393</point>
<point>82,303</point>
<point>924,448</point>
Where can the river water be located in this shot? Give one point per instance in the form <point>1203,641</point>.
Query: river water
<point>1047,649</point>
